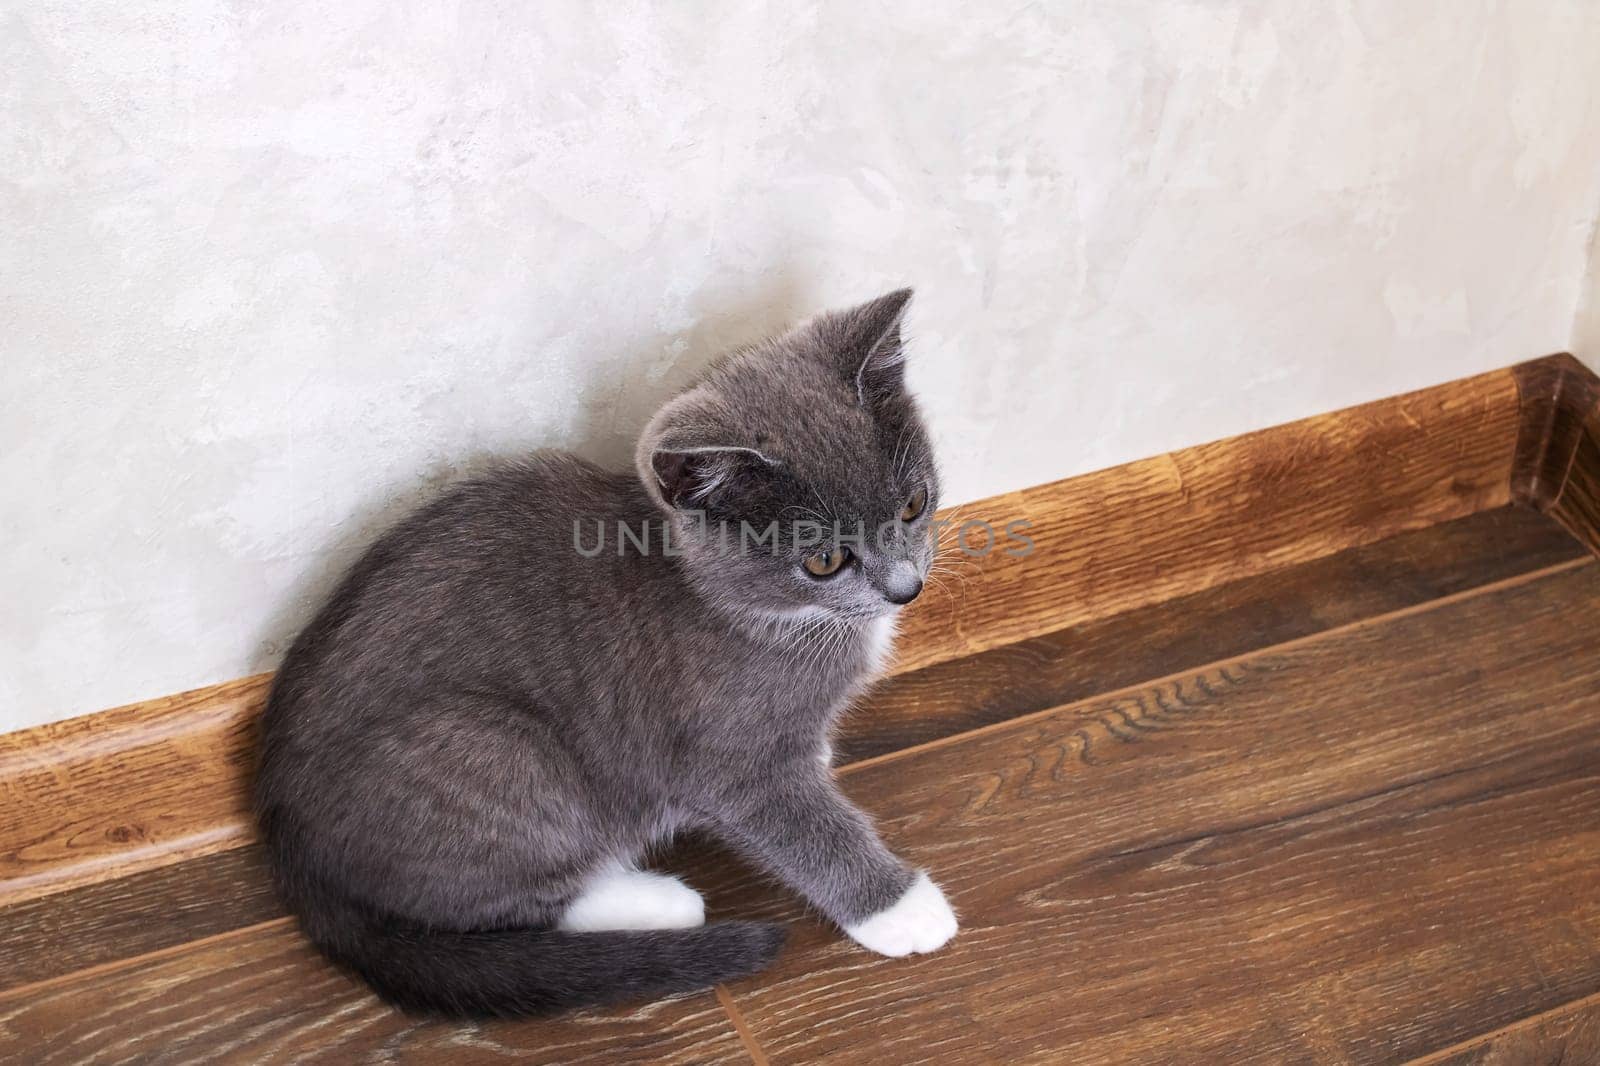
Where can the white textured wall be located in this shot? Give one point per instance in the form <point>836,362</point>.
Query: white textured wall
<point>271,271</point>
<point>1586,326</point>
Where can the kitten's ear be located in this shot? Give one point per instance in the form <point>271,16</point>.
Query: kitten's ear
<point>694,478</point>
<point>872,351</point>
<point>687,462</point>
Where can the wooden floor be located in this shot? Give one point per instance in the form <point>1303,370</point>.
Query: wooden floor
<point>1344,811</point>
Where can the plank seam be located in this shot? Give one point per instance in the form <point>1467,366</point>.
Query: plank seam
<point>1349,627</point>
<point>1481,1040</point>
<point>1516,784</point>
<point>114,965</point>
<point>751,1045</point>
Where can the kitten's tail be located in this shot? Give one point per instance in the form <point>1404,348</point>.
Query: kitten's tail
<point>525,972</point>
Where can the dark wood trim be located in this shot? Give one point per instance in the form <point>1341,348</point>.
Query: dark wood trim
<point>1557,464</point>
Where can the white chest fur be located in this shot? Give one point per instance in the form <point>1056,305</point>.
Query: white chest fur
<point>881,634</point>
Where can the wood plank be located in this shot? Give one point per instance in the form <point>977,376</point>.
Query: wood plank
<point>127,789</point>
<point>1360,848</point>
<point>264,995</point>
<point>205,895</point>
<point>1103,654</point>
<point>1567,1036</point>
<point>122,917</point>
<point>1146,532</point>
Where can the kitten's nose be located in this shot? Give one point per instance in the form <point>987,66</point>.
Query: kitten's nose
<point>904,595</point>
<point>903,586</point>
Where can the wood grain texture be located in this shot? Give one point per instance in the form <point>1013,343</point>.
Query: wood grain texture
<point>156,783</point>
<point>1110,653</point>
<point>127,789</point>
<point>1367,847</point>
<point>121,917</point>
<point>1578,509</point>
<point>264,995</point>
<point>1557,464</point>
<point>205,895</point>
<point>1146,532</point>
<point>1566,1036</point>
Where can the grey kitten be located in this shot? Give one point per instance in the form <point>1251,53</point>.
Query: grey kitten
<point>468,751</point>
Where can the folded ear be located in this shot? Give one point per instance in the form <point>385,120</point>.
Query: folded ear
<point>871,347</point>
<point>686,461</point>
<point>702,478</point>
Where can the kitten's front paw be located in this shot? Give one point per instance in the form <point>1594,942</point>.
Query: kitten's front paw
<point>920,921</point>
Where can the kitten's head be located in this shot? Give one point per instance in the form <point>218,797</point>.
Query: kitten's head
<point>810,454</point>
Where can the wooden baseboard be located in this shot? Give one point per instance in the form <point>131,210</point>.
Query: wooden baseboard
<point>1557,466</point>
<point>154,783</point>
<point>127,789</point>
<point>1191,519</point>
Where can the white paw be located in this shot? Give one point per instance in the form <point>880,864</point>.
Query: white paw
<point>634,899</point>
<point>920,921</point>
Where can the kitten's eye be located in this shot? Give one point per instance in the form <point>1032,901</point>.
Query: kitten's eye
<point>826,563</point>
<point>914,506</point>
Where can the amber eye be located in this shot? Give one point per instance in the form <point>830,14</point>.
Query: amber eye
<point>914,506</point>
<point>826,563</point>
